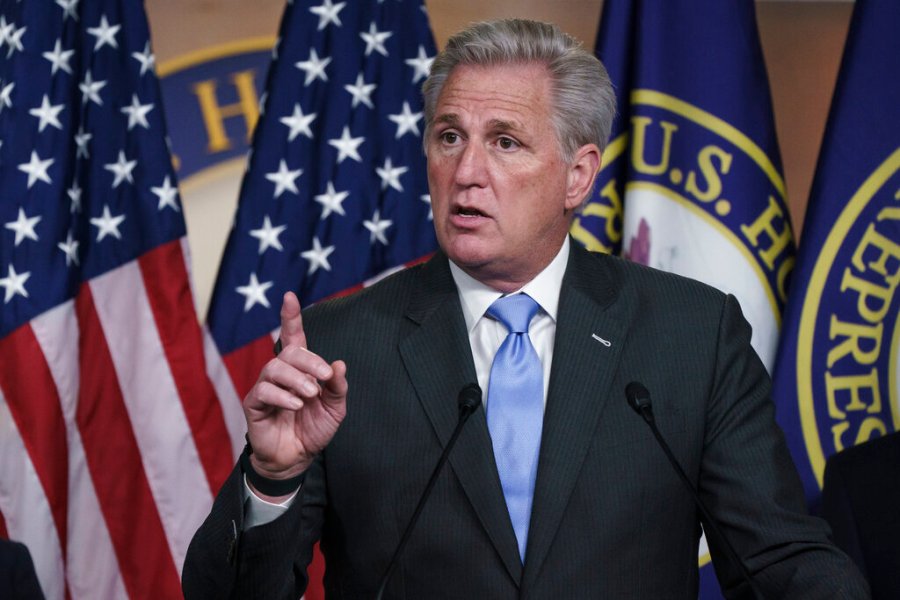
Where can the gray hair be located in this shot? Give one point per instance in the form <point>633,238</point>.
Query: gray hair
<point>583,102</point>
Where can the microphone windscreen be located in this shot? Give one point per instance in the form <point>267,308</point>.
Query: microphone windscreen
<point>469,397</point>
<point>638,396</point>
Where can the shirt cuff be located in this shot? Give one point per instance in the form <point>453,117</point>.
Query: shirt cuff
<point>258,511</point>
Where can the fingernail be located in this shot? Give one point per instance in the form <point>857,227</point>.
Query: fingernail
<point>324,373</point>
<point>310,389</point>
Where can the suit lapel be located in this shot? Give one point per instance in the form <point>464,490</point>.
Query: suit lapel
<point>439,361</point>
<point>580,380</point>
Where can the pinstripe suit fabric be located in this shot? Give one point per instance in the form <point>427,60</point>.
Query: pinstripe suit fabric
<point>609,520</point>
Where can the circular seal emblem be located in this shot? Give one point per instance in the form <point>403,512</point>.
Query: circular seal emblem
<point>703,200</point>
<point>847,348</point>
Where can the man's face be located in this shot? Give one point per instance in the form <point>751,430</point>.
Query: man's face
<point>501,194</point>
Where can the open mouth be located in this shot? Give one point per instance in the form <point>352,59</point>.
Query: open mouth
<point>469,212</point>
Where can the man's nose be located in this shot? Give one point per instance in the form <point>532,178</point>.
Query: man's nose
<point>471,170</point>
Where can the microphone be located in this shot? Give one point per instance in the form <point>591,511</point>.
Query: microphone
<point>639,399</point>
<point>468,401</point>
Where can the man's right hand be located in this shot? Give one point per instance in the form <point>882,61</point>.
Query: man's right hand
<point>296,405</point>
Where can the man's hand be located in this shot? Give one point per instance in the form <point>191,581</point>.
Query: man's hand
<point>296,405</point>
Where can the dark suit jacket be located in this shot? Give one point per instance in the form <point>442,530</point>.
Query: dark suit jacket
<point>17,577</point>
<point>610,518</point>
<point>861,500</point>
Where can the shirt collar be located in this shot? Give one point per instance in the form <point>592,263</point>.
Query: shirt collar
<point>477,297</point>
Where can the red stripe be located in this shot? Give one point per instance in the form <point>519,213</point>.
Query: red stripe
<point>353,289</point>
<point>316,572</point>
<point>4,532</point>
<point>166,280</point>
<point>114,462</point>
<point>34,403</point>
<point>346,292</point>
<point>245,363</point>
<point>420,260</point>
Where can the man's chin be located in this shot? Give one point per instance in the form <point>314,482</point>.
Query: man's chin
<point>468,255</point>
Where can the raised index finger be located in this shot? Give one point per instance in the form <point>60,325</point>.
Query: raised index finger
<point>291,321</point>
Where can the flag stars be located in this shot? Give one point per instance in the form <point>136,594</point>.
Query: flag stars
<point>284,179</point>
<point>105,34</point>
<point>23,226</point>
<point>81,140</point>
<point>146,58</point>
<point>298,123</point>
<point>407,121</point>
<point>14,284</point>
<point>421,65</point>
<point>70,248</point>
<point>313,67</point>
<point>390,175</point>
<point>36,169</point>
<point>137,113</point>
<point>90,89</point>
<point>74,194</point>
<point>121,169</point>
<point>47,114</point>
<point>59,58</point>
<point>5,29</point>
<point>167,194</point>
<point>254,293</point>
<point>14,40</point>
<point>377,227</point>
<point>317,256</point>
<point>361,91</point>
<point>107,224</point>
<point>69,7</point>
<point>375,39</point>
<point>328,13</point>
<point>347,146</point>
<point>262,102</point>
<point>6,94</point>
<point>332,202</point>
<point>268,235</point>
<point>426,198</point>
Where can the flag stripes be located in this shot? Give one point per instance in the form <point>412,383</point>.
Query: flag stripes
<point>165,268</point>
<point>25,506</point>
<point>35,407</point>
<point>82,442</point>
<point>115,460</point>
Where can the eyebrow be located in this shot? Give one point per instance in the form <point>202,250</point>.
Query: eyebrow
<point>448,119</point>
<point>501,125</point>
<point>452,119</point>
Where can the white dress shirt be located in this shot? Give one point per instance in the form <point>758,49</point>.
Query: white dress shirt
<point>485,336</point>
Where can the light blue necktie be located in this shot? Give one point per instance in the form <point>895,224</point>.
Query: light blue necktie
<point>515,410</point>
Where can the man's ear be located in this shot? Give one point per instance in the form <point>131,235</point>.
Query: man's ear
<point>582,173</point>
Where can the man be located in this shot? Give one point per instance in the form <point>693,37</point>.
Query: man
<point>17,576</point>
<point>556,487</point>
<point>859,500</point>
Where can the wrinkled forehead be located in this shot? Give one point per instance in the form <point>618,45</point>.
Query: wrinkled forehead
<point>503,92</point>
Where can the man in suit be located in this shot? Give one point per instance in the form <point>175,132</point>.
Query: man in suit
<point>17,576</point>
<point>556,487</point>
<point>861,501</point>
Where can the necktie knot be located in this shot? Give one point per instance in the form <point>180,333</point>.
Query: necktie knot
<point>515,312</point>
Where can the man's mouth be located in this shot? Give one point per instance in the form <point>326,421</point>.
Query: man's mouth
<point>469,212</point>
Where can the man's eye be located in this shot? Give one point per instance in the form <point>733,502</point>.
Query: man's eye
<point>449,137</point>
<point>506,143</point>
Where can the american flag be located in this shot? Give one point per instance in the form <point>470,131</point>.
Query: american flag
<point>336,192</point>
<point>112,438</point>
